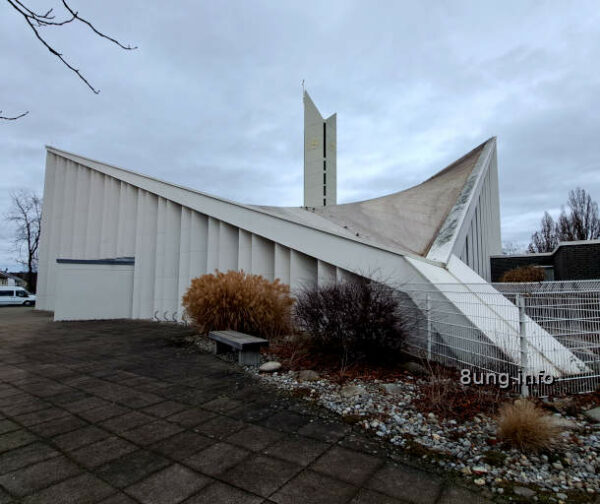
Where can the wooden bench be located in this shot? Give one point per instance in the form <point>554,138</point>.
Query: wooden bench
<point>248,347</point>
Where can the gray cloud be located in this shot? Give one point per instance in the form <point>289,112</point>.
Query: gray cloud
<point>212,98</point>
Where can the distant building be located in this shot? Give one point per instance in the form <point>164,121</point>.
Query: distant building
<point>578,260</point>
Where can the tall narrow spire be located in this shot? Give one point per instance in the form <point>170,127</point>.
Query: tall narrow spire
<point>320,156</point>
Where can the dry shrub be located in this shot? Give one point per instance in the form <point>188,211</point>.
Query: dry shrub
<point>524,274</point>
<point>241,302</point>
<point>526,426</point>
<point>356,321</point>
<point>445,396</point>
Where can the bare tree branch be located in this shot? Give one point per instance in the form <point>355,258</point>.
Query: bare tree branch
<point>14,118</point>
<point>37,20</point>
<point>97,32</point>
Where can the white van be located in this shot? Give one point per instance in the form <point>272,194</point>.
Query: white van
<point>14,295</point>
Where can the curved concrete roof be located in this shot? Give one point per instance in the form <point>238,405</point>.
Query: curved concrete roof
<point>409,220</point>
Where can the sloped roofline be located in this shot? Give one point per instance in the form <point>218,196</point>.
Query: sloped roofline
<point>259,210</point>
<point>443,246</point>
<point>342,233</point>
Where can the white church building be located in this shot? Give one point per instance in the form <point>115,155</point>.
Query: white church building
<point>119,244</point>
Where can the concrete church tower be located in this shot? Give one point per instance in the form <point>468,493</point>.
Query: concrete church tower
<point>320,159</point>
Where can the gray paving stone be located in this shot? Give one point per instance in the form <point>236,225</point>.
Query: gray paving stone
<point>218,492</point>
<point>219,427</point>
<point>85,404</point>
<point>260,474</point>
<point>403,482</point>
<point>314,488</point>
<point>21,408</point>
<point>217,458</point>
<point>103,413</point>
<point>347,465</point>
<point>192,417</point>
<point>297,449</point>
<point>131,468</point>
<point>119,498</point>
<point>24,456</point>
<point>151,432</point>
<point>222,405</point>
<point>14,439</point>
<point>102,451</point>
<point>286,421</point>
<point>58,426</point>
<point>40,416</point>
<point>80,437</point>
<point>183,445</point>
<point>329,432</point>
<point>83,489</point>
<point>126,422</point>
<point>35,477</point>
<point>255,437</point>
<point>8,426</point>
<point>459,495</point>
<point>370,497</point>
<point>164,409</point>
<point>169,486</point>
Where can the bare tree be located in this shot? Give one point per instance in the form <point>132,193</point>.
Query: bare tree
<point>546,239</point>
<point>26,217</point>
<point>511,248</point>
<point>581,222</point>
<point>47,19</point>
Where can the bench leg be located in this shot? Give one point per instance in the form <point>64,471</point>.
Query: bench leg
<point>220,348</point>
<point>249,358</point>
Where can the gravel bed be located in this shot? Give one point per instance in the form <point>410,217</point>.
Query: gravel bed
<point>468,447</point>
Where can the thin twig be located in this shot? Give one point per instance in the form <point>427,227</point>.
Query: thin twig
<point>6,118</point>
<point>37,20</point>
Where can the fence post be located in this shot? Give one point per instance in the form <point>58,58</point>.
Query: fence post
<point>524,365</point>
<point>428,315</point>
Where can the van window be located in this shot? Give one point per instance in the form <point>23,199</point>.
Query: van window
<point>22,293</point>
<point>7,293</point>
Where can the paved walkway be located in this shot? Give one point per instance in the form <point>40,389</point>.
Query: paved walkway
<point>115,412</point>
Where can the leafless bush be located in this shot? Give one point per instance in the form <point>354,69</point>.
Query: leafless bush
<point>360,320</point>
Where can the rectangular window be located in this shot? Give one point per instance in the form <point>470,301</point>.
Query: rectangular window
<point>6,293</point>
<point>324,190</point>
<point>21,293</point>
<point>324,202</point>
<point>324,178</point>
<point>324,139</point>
<point>324,165</point>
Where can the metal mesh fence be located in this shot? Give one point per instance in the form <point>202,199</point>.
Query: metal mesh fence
<point>544,338</point>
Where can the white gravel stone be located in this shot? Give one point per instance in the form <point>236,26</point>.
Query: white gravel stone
<point>270,367</point>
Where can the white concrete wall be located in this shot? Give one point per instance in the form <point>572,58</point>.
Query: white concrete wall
<point>93,291</point>
<point>173,242</point>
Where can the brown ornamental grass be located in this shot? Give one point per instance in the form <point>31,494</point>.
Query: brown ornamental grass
<point>241,302</point>
<point>524,274</point>
<point>527,427</point>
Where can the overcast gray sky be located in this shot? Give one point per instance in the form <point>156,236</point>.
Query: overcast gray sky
<point>212,97</point>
